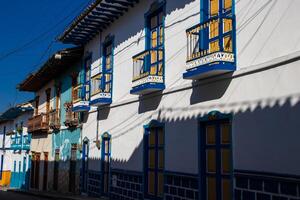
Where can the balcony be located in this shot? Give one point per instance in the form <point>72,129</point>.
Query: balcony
<point>148,72</point>
<point>100,95</point>
<point>72,118</point>
<point>80,104</point>
<point>38,123</point>
<point>20,142</point>
<point>211,48</point>
<point>54,119</point>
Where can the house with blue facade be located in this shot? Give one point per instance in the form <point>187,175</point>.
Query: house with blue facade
<point>15,146</point>
<point>188,99</point>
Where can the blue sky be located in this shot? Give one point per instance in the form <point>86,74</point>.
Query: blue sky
<point>38,22</point>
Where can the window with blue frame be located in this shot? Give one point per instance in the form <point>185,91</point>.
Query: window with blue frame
<point>211,44</point>
<point>102,82</point>
<point>81,93</point>
<point>148,66</point>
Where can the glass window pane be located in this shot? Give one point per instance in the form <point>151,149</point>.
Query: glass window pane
<point>226,160</point>
<point>151,158</point>
<point>214,29</point>
<point>160,189</point>
<point>211,188</point>
<point>227,44</point>
<point>151,182</point>
<point>211,160</point>
<point>161,34</point>
<point>153,22</point>
<point>227,4</point>
<point>154,39</point>
<point>214,7</point>
<point>160,54</point>
<point>153,70</point>
<point>107,146</point>
<point>227,25</point>
<point>153,57</point>
<point>214,46</point>
<point>160,69</point>
<point>210,135</point>
<point>226,189</point>
<point>161,159</point>
<point>225,133</point>
<point>160,17</point>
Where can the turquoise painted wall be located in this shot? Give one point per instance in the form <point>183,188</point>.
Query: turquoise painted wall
<point>64,139</point>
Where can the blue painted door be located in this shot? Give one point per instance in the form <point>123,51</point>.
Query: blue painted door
<point>216,160</point>
<point>154,163</point>
<point>105,163</point>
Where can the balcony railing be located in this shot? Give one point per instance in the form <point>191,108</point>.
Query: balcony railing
<point>38,123</point>
<point>20,142</point>
<point>80,102</point>
<point>148,71</point>
<point>54,119</point>
<point>211,48</point>
<point>72,118</point>
<point>101,91</point>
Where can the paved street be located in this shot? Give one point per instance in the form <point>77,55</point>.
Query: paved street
<point>18,196</point>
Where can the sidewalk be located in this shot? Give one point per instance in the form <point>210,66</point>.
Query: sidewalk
<point>57,196</point>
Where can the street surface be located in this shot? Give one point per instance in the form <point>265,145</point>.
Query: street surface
<point>18,196</point>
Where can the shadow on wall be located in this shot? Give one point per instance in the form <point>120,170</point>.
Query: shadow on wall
<point>270,130</point>
<point>211,90</point>
<point>139,25</point>
<point>149,102</point>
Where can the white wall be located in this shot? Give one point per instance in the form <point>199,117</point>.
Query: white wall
<point>42,97</point>
<point>273,33</point>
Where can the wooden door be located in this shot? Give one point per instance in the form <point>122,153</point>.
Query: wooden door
<point>37,170</point>
<point>72,171</point>
<point>45,176</point>
<point>56,168</point>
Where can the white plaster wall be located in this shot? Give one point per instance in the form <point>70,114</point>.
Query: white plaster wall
<point>42,97</point>
<point>266,31</point>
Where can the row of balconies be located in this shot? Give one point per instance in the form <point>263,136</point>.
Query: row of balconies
<point>20,142</point>
<point>210,51</point>
<point>45,122</point>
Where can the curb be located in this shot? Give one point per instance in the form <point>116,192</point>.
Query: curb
<point>44,195</point>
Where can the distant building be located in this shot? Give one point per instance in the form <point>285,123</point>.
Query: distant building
<point>54,127</point>
<point>15,146</point>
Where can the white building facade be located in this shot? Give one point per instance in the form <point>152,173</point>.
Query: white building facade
<point>189,99</point>
<point>15,146</point>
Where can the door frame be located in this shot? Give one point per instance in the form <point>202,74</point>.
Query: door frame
<point>151,124</point>
<point>105,136</point>
<point>211,117</point>
<point>84,165</point>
